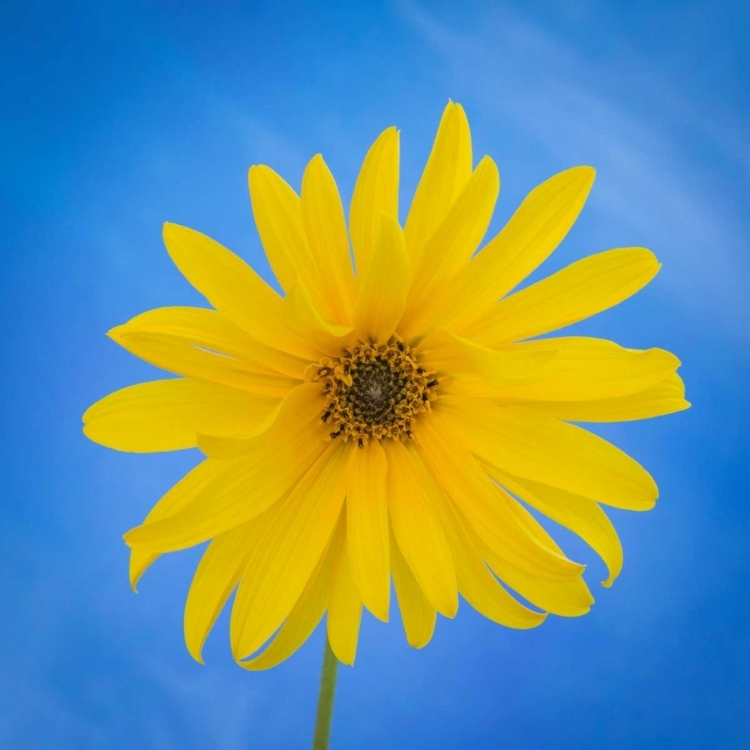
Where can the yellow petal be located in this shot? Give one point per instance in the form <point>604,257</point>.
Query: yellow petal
<point>323,216</point>
<point>450,355</point>
<point>167,415</point>
<point>367,528</point>
<point>210,330</point>
<point>569,598</point>
<point>306,613</point>
<point>579,291</point>
<point>481,502</point>
<point>207,329</point>
<point>300,409</point>
<point>531,445</point>
<point>531,235</point>
<point>242,489</point>
<point>476,583</point>
<point>277,210</point>
<point>303,318</point>
<point>375,193</point>
<point>582,516</point>
<point>384,287</point>
<point>217,575</point>
<point>285,558</point>
<point>418,532</point>
<point>344,610</point>
<point>417,614</point>
<point>666,397</point>
<point>586,369</point>
<point>178,497</point>
<point>446,173</point>
<point>181,357</point>
<point>232,287</point>
<point>452,244</point>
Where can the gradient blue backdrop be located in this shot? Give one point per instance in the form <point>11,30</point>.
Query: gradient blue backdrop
<point>119,116</point>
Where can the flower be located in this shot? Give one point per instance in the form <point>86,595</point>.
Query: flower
<point>395,421</point>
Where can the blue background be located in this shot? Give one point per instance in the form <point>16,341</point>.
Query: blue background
<point>118,117</point>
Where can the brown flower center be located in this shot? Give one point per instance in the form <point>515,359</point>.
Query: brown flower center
<point>374,391</point>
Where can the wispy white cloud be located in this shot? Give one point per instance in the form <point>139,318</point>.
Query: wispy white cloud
<point>623,116</point>
<point>224,717</point>
<point>272,143</point>
<point>265,143</point>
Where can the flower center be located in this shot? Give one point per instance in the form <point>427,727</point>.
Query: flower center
<point>374,391</point>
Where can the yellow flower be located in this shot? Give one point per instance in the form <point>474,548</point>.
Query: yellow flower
<point>387,422</point>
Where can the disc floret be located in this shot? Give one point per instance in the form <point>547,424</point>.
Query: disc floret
<point>374,391</point>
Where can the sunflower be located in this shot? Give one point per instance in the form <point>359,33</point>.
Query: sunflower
<point>393,414</point>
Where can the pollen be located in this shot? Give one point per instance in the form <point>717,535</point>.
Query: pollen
<point>374,392</point>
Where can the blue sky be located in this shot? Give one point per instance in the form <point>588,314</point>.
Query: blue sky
<point>120,116</point>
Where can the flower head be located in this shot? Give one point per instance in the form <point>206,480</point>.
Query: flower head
<point>391,415</point>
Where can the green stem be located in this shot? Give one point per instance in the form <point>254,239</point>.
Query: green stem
<point>325,699</point>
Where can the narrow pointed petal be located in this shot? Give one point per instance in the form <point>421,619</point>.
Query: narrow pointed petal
<point>306,613</point>
<point>579,291</point>
<point>463,229</point>
<point>201,327</point>
<point>384,287</point>
<point>367,528</point>
<point>531,445</point>
<point>217,575</point>
<point>181,357</point>
<point>418,532</point>
<point>417,614</point>
<point>452,356</point>
<point>344,611</point>
<point>476,583</point>
<point>569,598</point>
<point>306,321</point>
<point>167,415</point>
<point>242,489</point>
<point>452,244</point>
<point>446,173</point>
<point>532,234</point>
<point>586,369</point>
<point>178,497</point>
<point>582,516</point>
<point>232,287</point>
<point>208,329</point>
<point>667,397</point>
<point>323,216</point>
<point>375,193</point>
<point>277,210</point>
<point>285,559</point>
<point>482,504</point>
<point>300,408</point>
